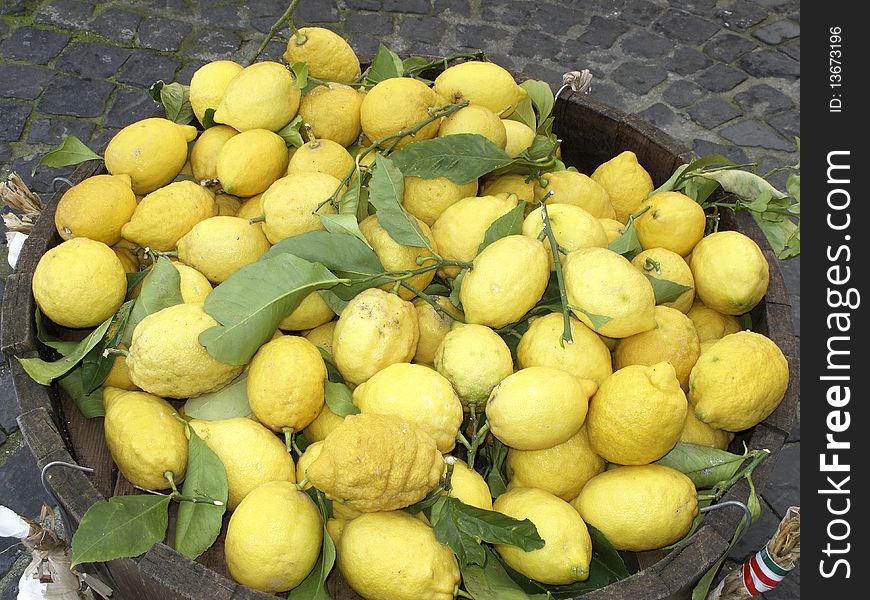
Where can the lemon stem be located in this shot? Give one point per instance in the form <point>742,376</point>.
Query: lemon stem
<point>260,219</point>
<point>449,474</point>
<point>286,17</point>
<point>477,440</point>
<point>430,301</point>
<point>461,439</point>
<point>288,438</point>
<point>463,594</point>
<point>560,278</point>
<point>756,456</point>
<point>114,352</point>
<point>301,485</point>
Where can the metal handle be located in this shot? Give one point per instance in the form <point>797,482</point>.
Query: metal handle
<point>738,504</point>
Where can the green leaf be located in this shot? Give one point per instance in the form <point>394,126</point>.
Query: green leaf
<point>70,152</point>
<point>386,189</point>
<point>175,99</point>
<point>627,243</point>
<point>134,279</point>
<point>251,302</point>
<point>228,402</point>
<point>496,454</point>
<point>313,587</point>
<point>343,223</point>
<point>349,203</point>
<point>782,233</point>
<point>666,290</point>
<point>385,65</point>
<point>456,287</point>
<point>300,74</point>
<point>333,301</point>
<point>525,114</point>
<point>339,399</point>
<point>541,96</point>
<point>154,90</point>
<point>492,582</point>
<point>670,184</point>
<point>461,157</point>
<point>96,365</point>
<point>703,465</point>
<point>208,118</point>
<point>44,372</point>
<point>120,527</point>
<point>199,523</point>
<point>89,404</point>
<point>331,369</point>
<point>542,147</point>
<point>793,186</point>
<point>161,288</point>
<point>413,64</point>
<point>290,133</point>
<point>743,184</point>
<point>698,188</point>
<point>598,321</point>
<point>510,223</point>
<point>63,347</point>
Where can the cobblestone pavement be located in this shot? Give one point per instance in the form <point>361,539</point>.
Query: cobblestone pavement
<point>721,76</point>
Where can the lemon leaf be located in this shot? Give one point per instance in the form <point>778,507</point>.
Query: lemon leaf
<point>226,403</point>
<point>386,190</point>
<point>89,404</point>
<point>496,454</point>
<point>331,369</point>
<point>456,286</point>
<point>666,290</point>
<point>385,65</point>
<point>460,157</point>
<point>743,184</point>
<point>72,151</point>
<point>525,114</point>
<point>208,118</point>
<point>343,223</point>
<point>491,581</point>
<point>63,347</point>
<point>300,74</point>
<point>161,288</point>
<point>175,99</point>
<point>96,366</point>
<point>510,223</point>
<point>313,587</point>
<point>541,95</point>
<point>627,243</point>
<point>290,133</point>
<point>339,399</point>
<point>703,465</point>
<point>332,301</point>
<point>598,321</point>
<point>44,372</point>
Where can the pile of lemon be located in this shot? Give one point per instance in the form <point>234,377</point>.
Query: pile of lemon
<point>582,421</point>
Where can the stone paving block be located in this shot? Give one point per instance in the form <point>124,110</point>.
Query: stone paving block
<point>682,93</point>
<point>685,27</point>
<point>5,157</point>
<point>190,67</point>
<point>22,81</point>
<point>53,130</point>
<point>20,486</point>
<point>540,45</point>
<point>14,118</point>
<point>364,44</point>
<point>74,96</point>
<point>4,29</point>
<point>428,30</point>
<point>728,47</point>
<point>638,78</point>
<point>788,124</point>
<point>792,49</point>
<point>116,24</point>
<point>476,36</point>
<point>701,6</point>
<point>225,15</point>
<point>640,12</point>
<point>100,139</point>
<point>15,7</point>
<point>740,15</point>
<point>686,61</point>
<point>73,14</point>
<point>720,78</point>
<point>159,33</point>
<point>32,45</point>
<point>130,106</point>
<point>660,115</point>
<point>557,18</point>
<point>705,147</point>
<point>608,93</point>
<point>457,7</point>
<point>407,6</point>
<point>322,11</point>
<point>511,14</point>
<point>372,23</point>
<point>713,112</point>
<point>145,67</point>
<point>783,486</point>
<point>763,99</point>
<point>213,44</point>
<point>777,32</point>
<point>41,183</point>
<point>363,4</point>
<point>646,44</point>
<point>602,33</point>
<point>750,132</point>
<point>770,63</point>
<point>92,59</point>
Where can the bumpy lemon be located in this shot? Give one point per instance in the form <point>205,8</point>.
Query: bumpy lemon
<point>416,394</point>
<point>291,204</point>
<point>312,312</point>
<point>426,199</point>
<point>208,84</point>
<point>96,208</point>
<point>587,357</point>
<point>151,151</point>
<point>482,83</point>
<point>627,183</point>
<point>507,279</point>
<point>323,425</point>
<point>321,336</point>
<point>567,547</point>
<point>673,340</point>
<point>711,325</point>
<point>220,246</point>
<point>251,161</point>
<point>376,463</point>
<point>251,454</point>
<point>519,137</point>
<point>739,381</point>
<point>434,326</point>
<point>286,382</point>
<point>375,330</point>
<point>79,283</point>
<point>332,112</point>
<point>166,358</point>
<point>637,414</point>
<point>469,486</point>
<point>731,273</point>
<point>396,257</point>
<point>572,226</point>
<point>263,95</point>
<point>475,119</point>
<point>165,215</point>
<point>538,407</point>
<point>273,538</point>
<point>119,375</point>
<point>612,228</point>
<point>328,56</point>
<point>474,359</point>
<point>639,508</point>
<point>321,156</point>
<point>206,149</point>
<point>397,104</point>
<point>194,285</point>
<point>610,295</point>
<point>659,263</point>
<point>673,221</point>
<point>571,187</point>
<point>698,432</point>
<point>562,470</point>
<point>375,547</point>
<point>144,438</point>
<point>510,184</point>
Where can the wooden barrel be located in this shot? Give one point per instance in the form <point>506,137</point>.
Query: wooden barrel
<point>55,431</point>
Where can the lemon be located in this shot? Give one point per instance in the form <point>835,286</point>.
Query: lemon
<point>96,208</point>
<point>608,293</point>
<point>510,184</point>
<point>321,156</point>
<point>660,263</point>
<point>395,105</point>
<point>79,283</point>
<point>328,56</point>
<point>396,257</point>
<point>627,183</point>
<point>519,137</point>
<point>273,538</point>
<point>119,375</point>
<point>321,336</point>
<point>206,149</point>
<point>637,415</point>
<point>251,208</point>
<point>538,407</point>
<point>166,358</point>
<point>673,221</point>
<point>460,229</point>
<point>571,187</point>
<point>417,394</point>
<point>263,95</point>
<point>481,83</point>
<point>151,151</point>
<point>194,285</point>
<point>308,456</point>
<point>739,381</point>
<point>332,112</point>
<point>377,463</point>
<point>208,84</point>
<point>434,326</point>
<point>469,486</point>
<point>639,508</point>
<point>312,312</point>
<point>711,325</point>
<point>375,330</point>
<point>474,359</point>
<point>587,357</point>
<point>507,280</point>
<point>572,226</point>
<point>291,204</point>
<point>731,272</point>
<point>699,433</point>
<point>227,205</point>
<point>144,438</point>
<point>286,382</point>
<point>251,454</point>
<point>251,161</point>
<point>612,228</point>
<point>427,199</point>
<point>165,215</point>
<point>562,470</point>
<point>478,120</point>
<point>567,547</point>
<point>128,259</point>
<point>323,425</point>
<point>219,246</point>
<point>395,556</point>
<point>673,340</point>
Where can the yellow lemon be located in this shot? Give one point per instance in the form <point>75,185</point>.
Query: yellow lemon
<point>328,56</point>
<point>426,199</point>
<point>659,263</point>
<point>208,84</point>
<point>323,425</point>
<point>519,137</point>
<point>96,208</point>
<point>572,226</point>
<point>248,163</point>
<point>227,205</point>
<point>571,187</point>
<point>587,357</point>
<point>397,104</point>
<point>469,486</point>
<point>673,221</point>
<point>263,95</point>
<point>321,156</point>
<point>711,325</point>
<point>481,83</point>
<point>397,257</point>
<point>699,433</point>
<point>206,149</point>
<point>433,325</point>
<point>731,272</point>
<point>475,119</point>
<point>627,183</point>
<point>194,285</point>
<point>119,375</point>
<point>164,216</point>
<point>220,246</point>
<point>321,336</point>
<point>332,112</point>
<point>291,204</point>
<point>312,312</point>
<point>520,185</point>
<point>612,228</point>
